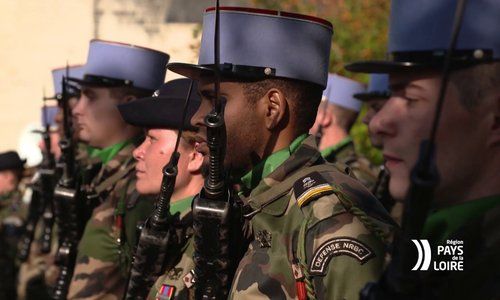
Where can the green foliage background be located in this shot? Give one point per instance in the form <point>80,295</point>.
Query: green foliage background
<point>360,33</point>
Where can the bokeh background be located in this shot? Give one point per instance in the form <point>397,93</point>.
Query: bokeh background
<point>38,36</point>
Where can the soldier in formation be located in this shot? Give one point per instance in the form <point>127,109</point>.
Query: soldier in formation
<point>234,194</point>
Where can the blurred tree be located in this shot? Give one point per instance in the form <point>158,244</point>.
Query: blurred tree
<point>360,33</point>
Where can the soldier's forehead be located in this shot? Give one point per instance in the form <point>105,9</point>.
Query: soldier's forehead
<point>400,80</point>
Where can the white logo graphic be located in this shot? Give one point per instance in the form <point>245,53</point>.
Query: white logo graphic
<point>424,255</point>
<point>449,257</point>
<point>308,182</point>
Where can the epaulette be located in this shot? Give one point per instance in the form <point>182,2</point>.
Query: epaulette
<point>310,187</point>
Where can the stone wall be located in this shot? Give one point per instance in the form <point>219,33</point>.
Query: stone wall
<point>37,36</point>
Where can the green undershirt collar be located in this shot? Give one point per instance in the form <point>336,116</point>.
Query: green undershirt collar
<point>328,151</point>
<point>270,163</point>
<point>108,153</point>
<point>444,222</point>
<point>91,151</point>
<point>181,205</point>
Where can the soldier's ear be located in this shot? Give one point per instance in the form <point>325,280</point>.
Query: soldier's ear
<point>195,162</point>
<point>276,107</point>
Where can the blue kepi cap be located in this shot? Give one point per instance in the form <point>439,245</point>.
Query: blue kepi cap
<point>420,32</point>
<point>258,44</point>
<point>116,64</point>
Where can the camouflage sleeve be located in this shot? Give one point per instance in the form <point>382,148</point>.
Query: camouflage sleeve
<point>341,254</point>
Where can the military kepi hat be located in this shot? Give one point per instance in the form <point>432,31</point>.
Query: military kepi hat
<point>258,44</point>
<point>420,33</point>
<point>165,108</point>
<point>377,88</point>
<point>340,91</point>
<point>75,71</point>
<point>10,160</point>
<point>112,64</point>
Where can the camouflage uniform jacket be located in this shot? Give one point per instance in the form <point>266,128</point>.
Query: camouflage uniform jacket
<point>477,224</point>
<point>345,153</point>
<point>322,232</point>
<point>38,275</point>
<point>104,251</point>
<point>12,215</point>
<point>173,279</point>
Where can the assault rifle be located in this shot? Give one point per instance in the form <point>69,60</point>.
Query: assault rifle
<point>48,180</point>
<point>35,210</point>
<point>66,200</point>
<point>215,213</point>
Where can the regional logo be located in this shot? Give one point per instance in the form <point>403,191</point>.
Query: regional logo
<point>448,257</point>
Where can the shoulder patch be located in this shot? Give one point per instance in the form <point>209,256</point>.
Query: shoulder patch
<point>336,247</point>
<point>311,187</point>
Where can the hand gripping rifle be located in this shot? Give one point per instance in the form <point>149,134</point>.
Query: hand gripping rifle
<point>65,200</point>
<point>158,241</point>
<point>399,281</point>
<point>48,180</point>
<point>215,214</point>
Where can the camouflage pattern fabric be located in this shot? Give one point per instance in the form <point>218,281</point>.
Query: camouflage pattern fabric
<point>324,235</point>
<point>12,214</point>
<point>104,252</point>
<point>174,276</point>
<point>345,153</point>
<point>38,272</point>
<point>481,240</point>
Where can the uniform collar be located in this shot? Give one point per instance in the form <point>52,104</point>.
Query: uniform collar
<point>269,164</point>
<point>441,224</point>
<point>332,150</point>
<point>108,153</point>
<point>303,152</point>
<point>181,206</point>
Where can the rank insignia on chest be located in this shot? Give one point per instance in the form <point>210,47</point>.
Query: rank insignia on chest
<point>265,238</point>
<point>166,292</point>
<point>311,187</point>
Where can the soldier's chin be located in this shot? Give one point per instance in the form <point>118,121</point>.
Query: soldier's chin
<point>144,188</point>
<point>398,188</point>
<point>83,136</point>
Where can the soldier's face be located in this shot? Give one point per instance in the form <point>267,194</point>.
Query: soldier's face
<point>154,153</point>
<point>406,119</point>
<point>374,105</point>
<point>6,181</point>
<point>243,124</point>
<point>97,118</point>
